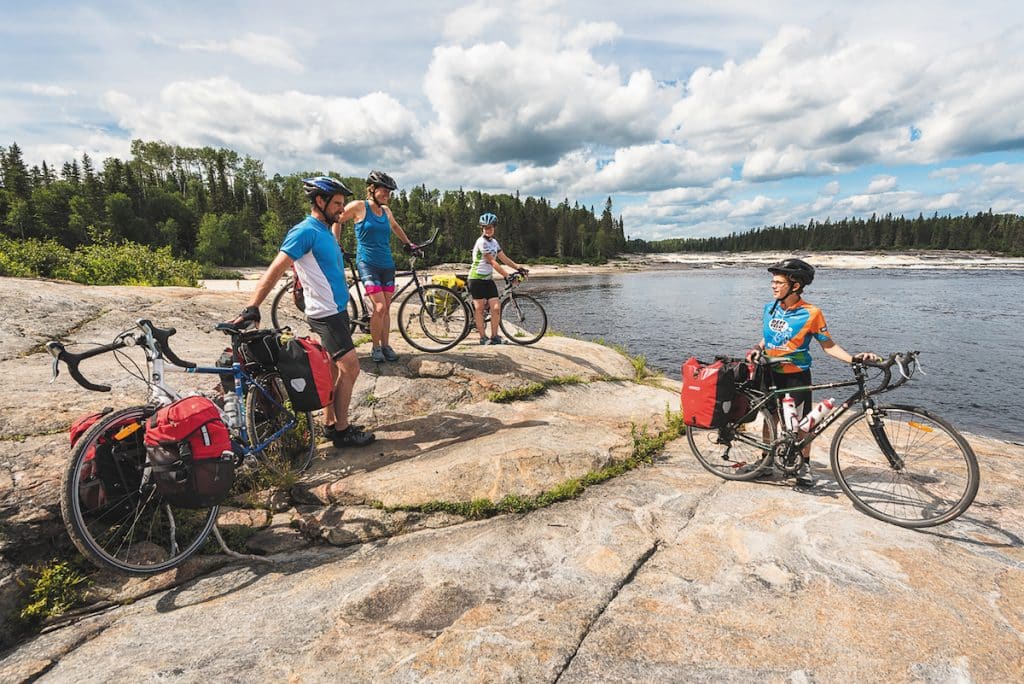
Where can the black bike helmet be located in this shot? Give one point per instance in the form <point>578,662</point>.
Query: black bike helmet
<point>796,269</point>
<point>381,179</point>
<point>324,186</point>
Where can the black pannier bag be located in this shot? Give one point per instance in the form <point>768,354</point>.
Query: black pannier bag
<point>189,450</point>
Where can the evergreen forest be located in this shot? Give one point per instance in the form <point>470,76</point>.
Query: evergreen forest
<point>988,232</point>
<point>216,207</point>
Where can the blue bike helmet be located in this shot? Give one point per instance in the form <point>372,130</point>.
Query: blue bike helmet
<point>488,219</point>
<point>324,186</point>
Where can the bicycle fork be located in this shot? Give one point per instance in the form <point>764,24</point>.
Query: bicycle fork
<point>882,439</point>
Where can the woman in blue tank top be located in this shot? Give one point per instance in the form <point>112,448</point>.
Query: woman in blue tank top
<point>374,224</point>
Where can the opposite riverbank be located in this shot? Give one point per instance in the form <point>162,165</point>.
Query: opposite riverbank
<point>643,262</point>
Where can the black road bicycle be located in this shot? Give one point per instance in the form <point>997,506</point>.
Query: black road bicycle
<point>522,318</point>
<point>134,530</point>
<point>431,317</point>
<point>899,464</point>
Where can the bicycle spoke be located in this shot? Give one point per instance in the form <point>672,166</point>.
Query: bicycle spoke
<point>523,319</point>
<point>734,452</point>
<point>933,478</point>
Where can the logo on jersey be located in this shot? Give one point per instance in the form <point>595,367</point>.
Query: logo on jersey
<point>778,325</point>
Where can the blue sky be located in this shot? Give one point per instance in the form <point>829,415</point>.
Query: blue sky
<point>698,118</point>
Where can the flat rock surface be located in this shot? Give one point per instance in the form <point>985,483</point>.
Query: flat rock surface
<point>665,573</point>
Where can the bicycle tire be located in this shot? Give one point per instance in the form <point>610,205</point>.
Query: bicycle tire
<point>433,318</point>
<point>523,319</point>
<point>721,454</point>
<point>354,322</point>
<point>938,478</point>
<point>133,530</point>
<point>293,451</point>
<point>285,314</point>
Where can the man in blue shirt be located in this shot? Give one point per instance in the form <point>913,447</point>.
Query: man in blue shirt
<point>310,248</point>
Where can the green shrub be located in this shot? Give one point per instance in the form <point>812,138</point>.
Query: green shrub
<point>126,263</point>
<point>31,258</point>
<point>56,590</point>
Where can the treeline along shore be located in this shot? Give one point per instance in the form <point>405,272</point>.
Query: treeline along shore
<point>171,215</point>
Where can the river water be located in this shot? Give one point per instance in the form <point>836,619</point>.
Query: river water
<point>968,324</point>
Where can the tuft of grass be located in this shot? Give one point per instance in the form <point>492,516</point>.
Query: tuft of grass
<point>57,589</point>
<point>646,446</point>
<point>371,400</point>
<point>533,389</point>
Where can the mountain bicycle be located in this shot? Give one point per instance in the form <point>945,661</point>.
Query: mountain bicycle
<point>131,528</point>
<point>427,317</point>
<point>522,318</point>
<point>899,464</point>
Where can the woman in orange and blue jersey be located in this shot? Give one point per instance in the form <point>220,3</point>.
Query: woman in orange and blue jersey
<point>789,325</point>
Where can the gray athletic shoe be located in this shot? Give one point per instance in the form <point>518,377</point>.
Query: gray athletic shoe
<point>497,340</point>
<point>804,478</point>
<point>484,340</point>
<point>389,353</point>
<point>377,355</point>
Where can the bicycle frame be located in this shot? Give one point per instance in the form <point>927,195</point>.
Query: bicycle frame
<point>863,395</point>
<point>159,392</point>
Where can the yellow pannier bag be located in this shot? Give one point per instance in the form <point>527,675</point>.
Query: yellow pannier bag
<point>449,280</point>
<point>445,303</point>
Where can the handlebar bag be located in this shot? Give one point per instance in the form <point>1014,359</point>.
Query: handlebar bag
<point>260,347</point>
<point>305,367</point>
<point>188,447</point>
<point>707,394</point>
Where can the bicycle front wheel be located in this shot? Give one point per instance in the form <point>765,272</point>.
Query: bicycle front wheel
<point>910,469</point>
<point>112,511</point>
<point>734,452</point>
<point>268,411</point>
<point>523,319</point>
<point>433,319</point>
<point>284,313</point>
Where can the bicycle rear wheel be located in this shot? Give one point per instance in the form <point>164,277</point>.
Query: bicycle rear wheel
<point>433,318</point>
<point>268,410</point>
<point>734,452</point>
<point>523,319</point>
<point>933,480</point>
<point>111,510</point>
<point>285,314</point>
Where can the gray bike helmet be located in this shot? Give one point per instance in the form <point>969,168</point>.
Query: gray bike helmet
<point>381,179</point>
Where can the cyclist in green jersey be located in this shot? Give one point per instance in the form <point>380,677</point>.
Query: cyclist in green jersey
<point>486,255</point>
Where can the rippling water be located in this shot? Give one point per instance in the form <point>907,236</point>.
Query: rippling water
<point>968,324</point>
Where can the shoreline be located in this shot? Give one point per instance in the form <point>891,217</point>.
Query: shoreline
<point>629,263</point>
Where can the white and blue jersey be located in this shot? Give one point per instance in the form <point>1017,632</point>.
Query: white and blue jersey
<point>318,264</point>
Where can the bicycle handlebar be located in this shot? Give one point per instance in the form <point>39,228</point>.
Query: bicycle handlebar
<point>905,362</point>
<point>160,346</point>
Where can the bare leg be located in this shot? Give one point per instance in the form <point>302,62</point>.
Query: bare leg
<point>495,305</point>
<point>379,319</point>
<point>478,315</point>
<point>348,370</point>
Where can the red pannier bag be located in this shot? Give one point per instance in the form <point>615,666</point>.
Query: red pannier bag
<point>305,367</point>
<point>189,450</point>
<point>708,397</point>
<point>111,467</point>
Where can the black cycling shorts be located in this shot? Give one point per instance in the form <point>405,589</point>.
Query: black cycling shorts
<point>482,288</point>
<point>801,379</point>
<point>334,333</point>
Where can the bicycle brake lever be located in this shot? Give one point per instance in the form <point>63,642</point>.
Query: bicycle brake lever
<point>54,370</point>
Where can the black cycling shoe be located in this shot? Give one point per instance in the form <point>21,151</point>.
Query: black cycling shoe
<point>328,431</point>
<point>352,437</point>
